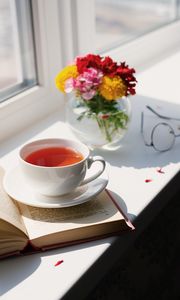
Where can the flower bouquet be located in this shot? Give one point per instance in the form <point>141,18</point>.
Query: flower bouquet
<point>99,84</point>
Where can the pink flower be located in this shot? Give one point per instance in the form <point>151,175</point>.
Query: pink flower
<point>69,85</point>
<point>87,83</point>
<point>89,95</point>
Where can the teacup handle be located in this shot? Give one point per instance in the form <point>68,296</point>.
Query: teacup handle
<point>90,161</point>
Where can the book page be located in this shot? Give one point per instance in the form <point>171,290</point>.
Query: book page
<point>43,221</point>
<point>9,211</point>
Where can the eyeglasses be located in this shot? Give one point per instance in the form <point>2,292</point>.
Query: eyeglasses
<point>162,134</point>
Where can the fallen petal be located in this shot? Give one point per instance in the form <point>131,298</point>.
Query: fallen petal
<point>160,171</point>
<point>148,180</point>
<point>59,262</point>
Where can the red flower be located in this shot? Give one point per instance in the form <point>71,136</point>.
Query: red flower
<point>88,61</point>
<point>108,66</point>
<point>127,75</point>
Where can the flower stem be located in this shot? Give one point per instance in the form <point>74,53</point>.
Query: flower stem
<point>103,126</point>
<point>106,129</point>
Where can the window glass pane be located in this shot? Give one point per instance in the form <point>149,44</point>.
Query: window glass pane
<point>118,21</point>
<point>178,9</point>
<point>17,59</point>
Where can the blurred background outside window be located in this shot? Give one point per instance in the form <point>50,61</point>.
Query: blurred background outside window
<point>119,21</point>
<point>116,22</point>
<point>17,59</point>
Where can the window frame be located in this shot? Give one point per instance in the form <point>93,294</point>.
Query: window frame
<point>23,50</point>
<point>26,108</point>
<point>62,28</point>
<point>147,55</point>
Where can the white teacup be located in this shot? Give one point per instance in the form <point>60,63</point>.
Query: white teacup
<point>58,180</point>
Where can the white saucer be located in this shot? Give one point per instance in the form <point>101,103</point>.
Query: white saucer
<point>17,187</point>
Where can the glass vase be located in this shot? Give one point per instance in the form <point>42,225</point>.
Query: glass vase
<point>97,131</point>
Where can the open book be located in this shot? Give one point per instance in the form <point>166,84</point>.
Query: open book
<point>24,227</point>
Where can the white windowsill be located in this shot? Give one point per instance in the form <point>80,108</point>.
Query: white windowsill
<point>131,165</point>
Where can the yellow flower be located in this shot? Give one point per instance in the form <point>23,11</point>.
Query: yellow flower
<point>66,73</point>
<point>112,88</point>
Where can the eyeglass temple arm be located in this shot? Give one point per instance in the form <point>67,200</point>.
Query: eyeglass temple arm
<point>142,122</point>
<point>161,116</point>
<point>142,125</point>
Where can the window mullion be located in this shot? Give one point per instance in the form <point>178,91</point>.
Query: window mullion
<point>24,29</point>
<point>83,16</point>
<point>174,9</point>
<point>17,42</point>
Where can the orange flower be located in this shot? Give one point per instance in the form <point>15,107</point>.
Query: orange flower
<point>112,88</point>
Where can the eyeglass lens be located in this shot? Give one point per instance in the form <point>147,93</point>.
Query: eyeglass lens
<point>163,137</point>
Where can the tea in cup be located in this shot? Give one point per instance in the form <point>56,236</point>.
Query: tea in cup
<point>54,167</point>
